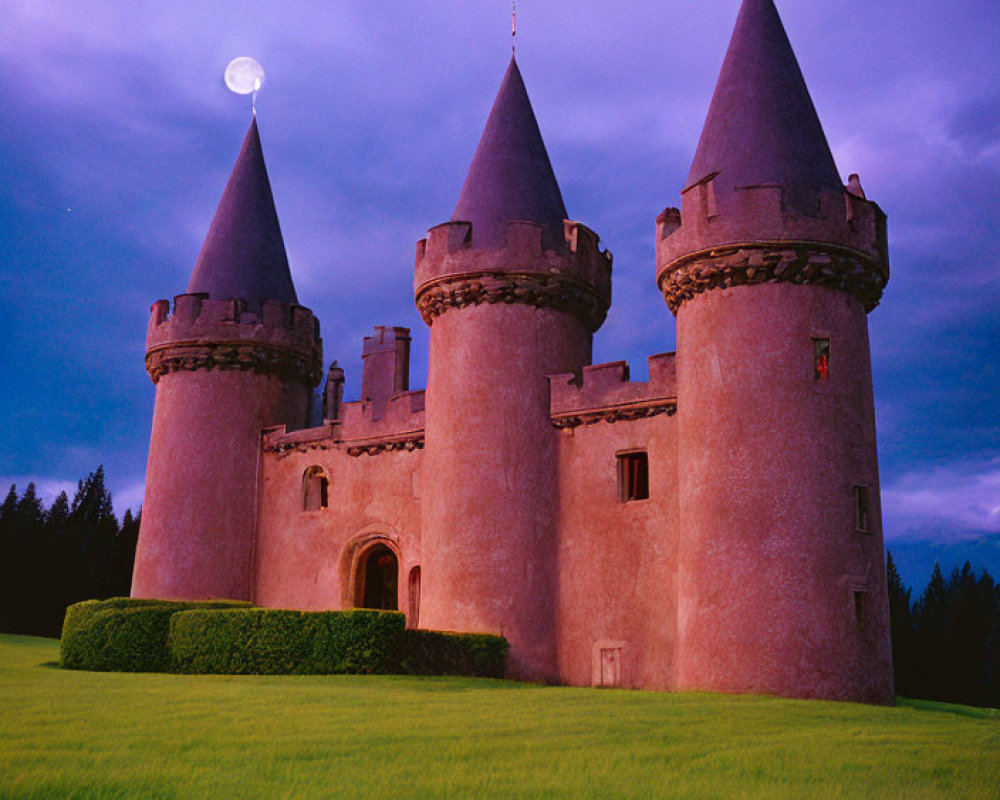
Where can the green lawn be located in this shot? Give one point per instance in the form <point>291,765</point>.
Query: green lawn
<point>67,734</point>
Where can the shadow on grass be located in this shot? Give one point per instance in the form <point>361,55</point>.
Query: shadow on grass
<point>65,790</point>
<point>972,712</point>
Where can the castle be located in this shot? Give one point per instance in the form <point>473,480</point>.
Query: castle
<point>716,527</point>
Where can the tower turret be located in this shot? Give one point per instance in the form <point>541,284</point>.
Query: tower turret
<point>770,268</point>
<point>512,292</point>
<point>235,354</point>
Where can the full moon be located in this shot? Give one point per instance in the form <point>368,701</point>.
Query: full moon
<point>244,75</point>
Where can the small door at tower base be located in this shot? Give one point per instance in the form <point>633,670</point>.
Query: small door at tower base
<point>608,663</point>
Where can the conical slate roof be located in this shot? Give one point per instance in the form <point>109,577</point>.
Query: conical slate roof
<point>243,255</point>
<point>510,177</point>
<point>762,126</point>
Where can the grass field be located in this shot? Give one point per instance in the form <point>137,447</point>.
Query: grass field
<point>79,735</point>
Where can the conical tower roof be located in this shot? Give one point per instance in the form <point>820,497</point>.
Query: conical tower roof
<point>243,255</point>
<point>510,177</point>
<point>762,126</point>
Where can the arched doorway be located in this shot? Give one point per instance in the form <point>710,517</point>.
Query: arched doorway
<point>378,579</point>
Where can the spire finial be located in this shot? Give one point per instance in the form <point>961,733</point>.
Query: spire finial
<point>513,26</point>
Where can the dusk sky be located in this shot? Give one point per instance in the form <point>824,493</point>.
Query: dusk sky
<point>117,135</point>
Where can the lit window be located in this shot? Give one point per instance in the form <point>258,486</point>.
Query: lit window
<point>315,489</point>
<point>862,515</point>
<point>821,359</point>
<point>633,477</point>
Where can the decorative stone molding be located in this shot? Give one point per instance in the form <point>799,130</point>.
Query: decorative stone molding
<point>540,290</point>
<point>408,442</point>
<point>238,355</point>
<point>773,262</point>
<point>287,448</point>
<point>613,414</point>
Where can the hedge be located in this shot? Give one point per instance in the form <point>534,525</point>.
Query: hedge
<point>269,641</point>
<point>232,637</point>
<point>123,634</point>
<point>443,653</point>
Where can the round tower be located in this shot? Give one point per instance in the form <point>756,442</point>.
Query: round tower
<point>770,269</point>
<point>512,292</point>
<point>234,355</point>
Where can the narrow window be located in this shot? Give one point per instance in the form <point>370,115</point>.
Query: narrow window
<point>861,509</point>
<point>859,608</point>
<point>414,616</point>
<point>315,489</point>
<point>821,359</point>
<point>633,477</point>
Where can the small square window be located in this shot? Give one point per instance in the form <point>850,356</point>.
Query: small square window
<point>821,359</point>
<point>862,512</point>
<point>633,477</point>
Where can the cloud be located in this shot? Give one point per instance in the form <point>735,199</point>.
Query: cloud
<point>947,502</point>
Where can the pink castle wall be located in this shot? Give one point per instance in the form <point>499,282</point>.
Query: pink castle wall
<point>200,509</point>
<point>769,559</point>
<point>491,507</point>
<point>307,559</point>
<point>616,560</point>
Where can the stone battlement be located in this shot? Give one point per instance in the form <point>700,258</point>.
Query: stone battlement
<point>224,334</point>
<point>753,236</point>
<point>451,273</point>
<point>604,393</point>
<point>360,431</point>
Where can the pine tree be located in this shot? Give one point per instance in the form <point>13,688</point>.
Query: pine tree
<point>9,505</point>
<point>929,616</point>
<point>29,555</point>
<point>93,526</point>
<point>58,574</point>
<point>9,565</point>
<point>901,627</point>
<point>128,537</point>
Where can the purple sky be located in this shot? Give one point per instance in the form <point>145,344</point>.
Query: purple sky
<point>118,134</point>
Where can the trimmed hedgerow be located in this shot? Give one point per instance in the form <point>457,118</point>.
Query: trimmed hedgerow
<point>122,634</point>
<point>480,655</point>
<point>231,637</point>
<point>271,641</point>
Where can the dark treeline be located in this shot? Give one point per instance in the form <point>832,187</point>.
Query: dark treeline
<point>946,642</point>
<point>50,558</point>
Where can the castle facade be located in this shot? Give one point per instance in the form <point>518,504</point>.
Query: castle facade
<point>716,527</point>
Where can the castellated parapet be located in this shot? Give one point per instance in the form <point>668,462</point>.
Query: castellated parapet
<point>451,272</point>
<point>753,237</point>
<point>604,393</point>
<point>360,432</point>
<point>203,334</point>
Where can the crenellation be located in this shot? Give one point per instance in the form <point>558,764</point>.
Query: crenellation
<point>450,272</point>
<point>221,334</point>
<point>756,237</point>
<point>604,391</point>
<point>359,431</point>
<point>196,317</point>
